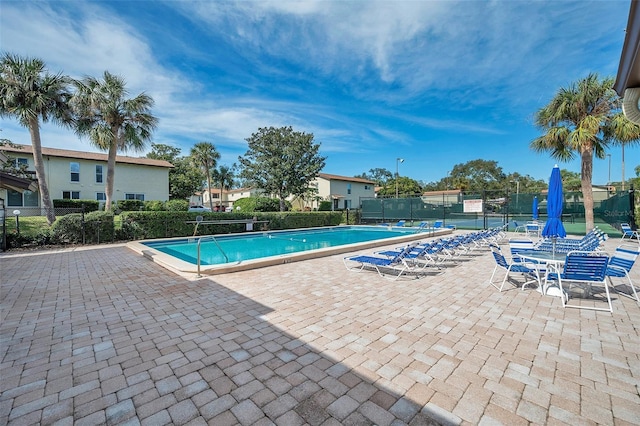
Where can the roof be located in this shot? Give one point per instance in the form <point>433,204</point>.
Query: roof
<point>629,68</point>
<point>345,178</point>
<point>82,155</point>
<point>9,181</point>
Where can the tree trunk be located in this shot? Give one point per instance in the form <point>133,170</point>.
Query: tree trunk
<point>111,170</point>
<point>209,189</point>
<point>587,189</point>
<point>43,187</point>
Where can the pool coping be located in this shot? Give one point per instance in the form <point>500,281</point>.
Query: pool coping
<point>183,267</point>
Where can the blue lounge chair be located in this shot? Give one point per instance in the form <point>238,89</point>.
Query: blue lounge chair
<point>583,269</point>
<point>620,265</point>
<point>513,267</point>
<point>627,232</point>
<point>387,267</point>
<point>400,223</point>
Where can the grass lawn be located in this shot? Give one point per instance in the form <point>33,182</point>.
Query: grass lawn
<point>29,225</point>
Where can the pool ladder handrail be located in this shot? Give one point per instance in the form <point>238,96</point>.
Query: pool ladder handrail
<point>210,238</point>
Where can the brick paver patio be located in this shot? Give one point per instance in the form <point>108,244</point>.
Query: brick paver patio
<point>100,335</point>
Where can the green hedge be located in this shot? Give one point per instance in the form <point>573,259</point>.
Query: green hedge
<point>98,228</point>
<point>143,225</point>
<point>89,205</point>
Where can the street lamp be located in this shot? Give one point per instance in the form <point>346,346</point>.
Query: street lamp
<point>398,161</point>
<point>17,214</point>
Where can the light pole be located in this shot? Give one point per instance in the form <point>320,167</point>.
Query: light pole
<point>398,161</point>
<point>517,182</point>
<point>622,166</point>
<point>609,178</point>
<point>17,214</point>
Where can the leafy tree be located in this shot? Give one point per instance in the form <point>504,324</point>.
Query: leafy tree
<point>583,119</point>
<point>112,121</point>
<point>30,94</point>
<point>184,178</point>
<point>406,187</point>
<point>571,181</point>
<point>380,176</point>
<point>476,176</point>
<point>281,161</point>
<point>205,156</point>
<point>225,176</point>
<point>164,152</point>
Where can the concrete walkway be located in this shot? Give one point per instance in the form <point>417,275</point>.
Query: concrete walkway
<point>100,335</point>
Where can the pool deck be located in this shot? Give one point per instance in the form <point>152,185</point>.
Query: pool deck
<point>102,335</point>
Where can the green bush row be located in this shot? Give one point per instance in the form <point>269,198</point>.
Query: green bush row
<point>142,225</point>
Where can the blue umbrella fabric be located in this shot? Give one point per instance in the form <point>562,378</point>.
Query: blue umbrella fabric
<point>554,227</point>
<point>535,208</point>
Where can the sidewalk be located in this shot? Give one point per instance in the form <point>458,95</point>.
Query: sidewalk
<point>104,336</point>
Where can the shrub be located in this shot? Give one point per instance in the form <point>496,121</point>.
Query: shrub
<point>68,229</point>
<point>258,204</point>
<point>176,205</point>
<point>89,205</point>
<point>325,206</point>
<point>99,227</point>
<point>129,205</point>
<point>154,206</point>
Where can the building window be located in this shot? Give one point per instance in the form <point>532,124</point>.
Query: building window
<point>101,196</point>
<point>71,195</point>
<point>348,188</point>
<point>134,197</point>
<point>75,172</point>
<point>98,174</point>
<point>21,163</point>
<point>24,199</point>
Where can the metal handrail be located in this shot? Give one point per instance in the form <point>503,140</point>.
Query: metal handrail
<point>210,238</point>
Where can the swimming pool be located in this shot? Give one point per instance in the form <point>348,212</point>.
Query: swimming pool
<point>235,252</point>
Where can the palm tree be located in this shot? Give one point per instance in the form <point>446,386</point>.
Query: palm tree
<point>205,157</point>
<point>624,132</point>
<point>112,121</point>
<point>29,93</point>
<point>580,120</point>
<point>225,177</point>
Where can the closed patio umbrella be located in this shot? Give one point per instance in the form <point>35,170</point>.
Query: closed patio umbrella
<point>535,208</point>
<point>554,227</point>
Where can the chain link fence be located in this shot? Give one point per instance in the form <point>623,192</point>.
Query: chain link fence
<point>488,209</point>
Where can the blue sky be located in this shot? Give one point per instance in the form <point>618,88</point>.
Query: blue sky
<point>437,83</point>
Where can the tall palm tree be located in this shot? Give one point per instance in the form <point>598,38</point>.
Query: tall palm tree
<point>623,132</point>
<point>580,120</point>
<point>205,156</point>
<point>225,177</point>
<point>112,121</point>
<point>29,93</point>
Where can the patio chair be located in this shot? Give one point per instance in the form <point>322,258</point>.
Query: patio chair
<point>517,245</point>
<point>620,265</point>
<point>386,267</point>
<point>627,232</point>
<point>400,223</point>
<point>583,269</point>
<point>533,229</point>
<point>519,229</point>
<point>513,267</point>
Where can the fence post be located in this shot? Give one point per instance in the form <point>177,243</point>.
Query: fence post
<point>83,226</point>
<point>632,207</point>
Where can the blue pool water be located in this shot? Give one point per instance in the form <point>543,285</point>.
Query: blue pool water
<point>241,247</point>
